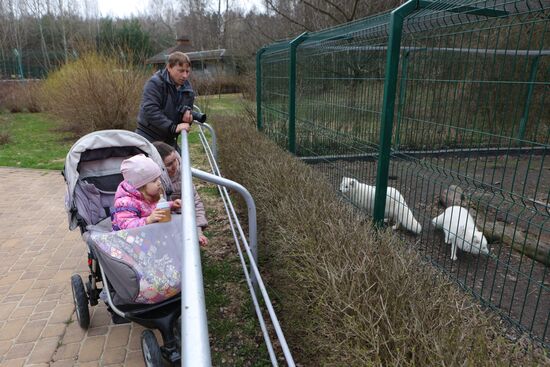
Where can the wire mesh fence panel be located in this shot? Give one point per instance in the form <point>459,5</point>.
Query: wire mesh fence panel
<point>340,80</point>
<point>29,64</point>
<point>275,94</point>
<point>468,167</point>
<point>471,113</point>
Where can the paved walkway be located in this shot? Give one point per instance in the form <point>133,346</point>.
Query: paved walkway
<point>38,255</point>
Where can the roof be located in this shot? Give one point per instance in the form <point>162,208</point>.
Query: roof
<point>161,57</point>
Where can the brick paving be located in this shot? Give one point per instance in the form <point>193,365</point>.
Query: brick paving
<point>38,255</point>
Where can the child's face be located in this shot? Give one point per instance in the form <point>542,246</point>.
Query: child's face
<point>171,163</point>
<point>153,188</point>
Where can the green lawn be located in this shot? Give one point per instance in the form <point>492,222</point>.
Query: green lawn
<point>34,141</point>
<point>227,104</point>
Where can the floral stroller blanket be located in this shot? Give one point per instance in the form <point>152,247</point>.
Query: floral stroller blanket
<point>142,265</point>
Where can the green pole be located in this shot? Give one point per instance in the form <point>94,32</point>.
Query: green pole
<point>292,92</point>
<point>19,62</point>
<point>402,92</point>
<point>388,105</point>
<point>523,122</point>
<point>259,88</point>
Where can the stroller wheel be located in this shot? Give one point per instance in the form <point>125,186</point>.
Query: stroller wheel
<point>80,301</point>
<point>151,350</point>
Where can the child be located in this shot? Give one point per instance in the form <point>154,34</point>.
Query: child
<point>171,160</point>
<point>137,196</point>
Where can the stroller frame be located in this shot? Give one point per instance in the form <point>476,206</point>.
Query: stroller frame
<point>162,316</point>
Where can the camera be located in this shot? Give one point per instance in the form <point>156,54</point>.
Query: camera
<point>197,116</point>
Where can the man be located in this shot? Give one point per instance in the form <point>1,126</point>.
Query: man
<point>167,99</point>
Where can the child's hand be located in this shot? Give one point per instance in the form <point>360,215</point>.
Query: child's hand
<point>203,241</point>
<point>176,204</point>
<point>155,216</point>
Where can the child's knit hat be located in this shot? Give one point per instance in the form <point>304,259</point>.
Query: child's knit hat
<point>139,170</point>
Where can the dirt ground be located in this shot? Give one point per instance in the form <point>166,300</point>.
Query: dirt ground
<point>513,191</point>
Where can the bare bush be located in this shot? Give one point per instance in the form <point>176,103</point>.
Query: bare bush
<point>95,92</point>
<point>349,294</point>
<point>247,85</point>
<point>20,96</point>
<point>222,84</point>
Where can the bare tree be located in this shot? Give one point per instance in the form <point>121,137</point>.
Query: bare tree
<point>312,15</point>
<point>37,11</point>
<point>61,12</point>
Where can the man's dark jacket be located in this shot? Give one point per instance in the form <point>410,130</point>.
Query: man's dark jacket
<point>161,106</point>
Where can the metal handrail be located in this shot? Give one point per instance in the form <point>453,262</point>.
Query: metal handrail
<point>214,139</point>
<point>212,133</point>
<point>256,281</point>
<point>252,227</point>
<point>195,346</point>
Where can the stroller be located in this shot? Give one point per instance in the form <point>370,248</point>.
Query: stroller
<point>92,174</point>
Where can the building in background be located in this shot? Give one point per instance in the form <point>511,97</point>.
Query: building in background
<point>206,64</point>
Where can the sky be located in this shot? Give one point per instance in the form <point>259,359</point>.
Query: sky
<point>127,8</point>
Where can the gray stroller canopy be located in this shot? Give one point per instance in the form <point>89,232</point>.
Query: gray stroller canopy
<point>102,152</point>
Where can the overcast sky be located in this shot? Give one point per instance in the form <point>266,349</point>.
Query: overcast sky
<point>127,8</point>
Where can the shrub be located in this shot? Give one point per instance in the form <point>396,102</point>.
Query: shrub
<point>347,293</point>
<point>247,85</point>
<point>204,86</point>
<point>95,92</point>
<point>20,96</point>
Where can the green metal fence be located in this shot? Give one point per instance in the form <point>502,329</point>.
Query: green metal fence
<point>434,94</point>
<point>28,64</point>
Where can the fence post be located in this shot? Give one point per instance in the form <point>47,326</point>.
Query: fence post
<point>292,92</point>
<point>386,126</point>
<point>259,88</point>
<point>523,122</point>
<point>19,62</point>
<point>402,93</point>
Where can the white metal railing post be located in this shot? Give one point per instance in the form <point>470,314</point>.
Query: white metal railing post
<point>195,346</point>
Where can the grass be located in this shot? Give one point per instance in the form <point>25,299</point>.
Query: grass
<point>222,105</point>
<point>34,141</point>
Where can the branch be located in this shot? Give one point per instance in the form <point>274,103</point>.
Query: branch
<point>354,10</point>
<point>322,11</point>
<point>335,6</point>
<point>270,3</point>
<point>259,29</point>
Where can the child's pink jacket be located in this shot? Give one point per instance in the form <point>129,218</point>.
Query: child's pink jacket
<point>131,209</point>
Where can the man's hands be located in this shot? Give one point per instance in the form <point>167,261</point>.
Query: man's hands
<point>155,216</point>
<point>176,204</point>
<point>187,117</point>
<point>185,124</point>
